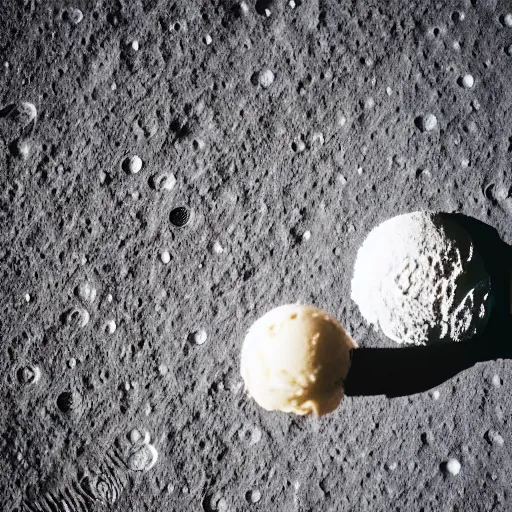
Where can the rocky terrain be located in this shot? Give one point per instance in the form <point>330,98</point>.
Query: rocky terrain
<point>171,170</point>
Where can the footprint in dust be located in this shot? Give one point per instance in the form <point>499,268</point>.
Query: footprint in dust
<point>103,484</point>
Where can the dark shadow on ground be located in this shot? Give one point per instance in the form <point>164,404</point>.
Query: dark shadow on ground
<point>409,370</point>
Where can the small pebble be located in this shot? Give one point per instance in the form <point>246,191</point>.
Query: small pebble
<point>135,45</point>
<point>391,466</point>
<point>453,467</point>
<point>508,50</point>
<point>244,7</point>
<point>389,92</point>
<point>165,257</point>
<point>507,20</point>
<point>134,436</point>
<point>72,363</point>
<point>199,144</point>
<point>22,149</point>
<point>436,395</point>
<point>143,459</point>
<point>301,146</point>
<point>494,438</point>
<point>267,13</point>
<point>369,103</point>
<point>164,181</point>
<point>208,39</point>
<point>163,370</point>
<point>135,164</point>
<point>496,381</point>
<point>25,112</point>
<point>306,235</point>
<point>342,120</point>
<point>87,292</point>
<point>468,81</point>
<point>341,179</point>
<point>109,297</point>
<point>266,78</point>
<point>27,297</point>
<point>76,16</point>
<point>200,337</point>
<point>318,138</point>
<point>254,496</point>
<point>427,122</point>
<point>291,3</point>
<point>110,327</point>
<point>217,248</point>
<point>218,503</point>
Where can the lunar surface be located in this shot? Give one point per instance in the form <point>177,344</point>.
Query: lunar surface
<point>170,171</point>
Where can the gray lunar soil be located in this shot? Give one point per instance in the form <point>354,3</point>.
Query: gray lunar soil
<point>289,130</point>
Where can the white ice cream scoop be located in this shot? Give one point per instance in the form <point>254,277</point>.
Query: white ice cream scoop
<point>295,358</point>
<point>419,278</point>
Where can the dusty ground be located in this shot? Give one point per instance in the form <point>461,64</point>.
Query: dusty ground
<point>317,118</point>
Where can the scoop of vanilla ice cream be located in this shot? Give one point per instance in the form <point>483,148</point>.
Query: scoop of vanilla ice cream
<point>295,358</point>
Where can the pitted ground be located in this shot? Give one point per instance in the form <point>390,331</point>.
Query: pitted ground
<point>250,162</point>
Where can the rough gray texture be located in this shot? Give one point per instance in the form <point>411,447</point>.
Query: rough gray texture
<point>326,148</point>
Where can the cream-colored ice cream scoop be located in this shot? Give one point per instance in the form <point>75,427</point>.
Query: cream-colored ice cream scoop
<point>295,358</point>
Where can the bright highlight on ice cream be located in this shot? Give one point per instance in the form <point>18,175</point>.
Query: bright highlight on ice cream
<point>295,358</point>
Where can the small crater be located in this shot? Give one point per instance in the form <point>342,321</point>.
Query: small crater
<point>422,174</point>
<point>488,192</point>
<point>28,374</point>
<point>180,216</point>
<point>262,6</point>
<point>457,16</point>
<point>68,401</point>
<point>77,317</point>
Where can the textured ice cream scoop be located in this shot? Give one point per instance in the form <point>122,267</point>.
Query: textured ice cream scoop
<point>420,279</point>
<point>295,358</point>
